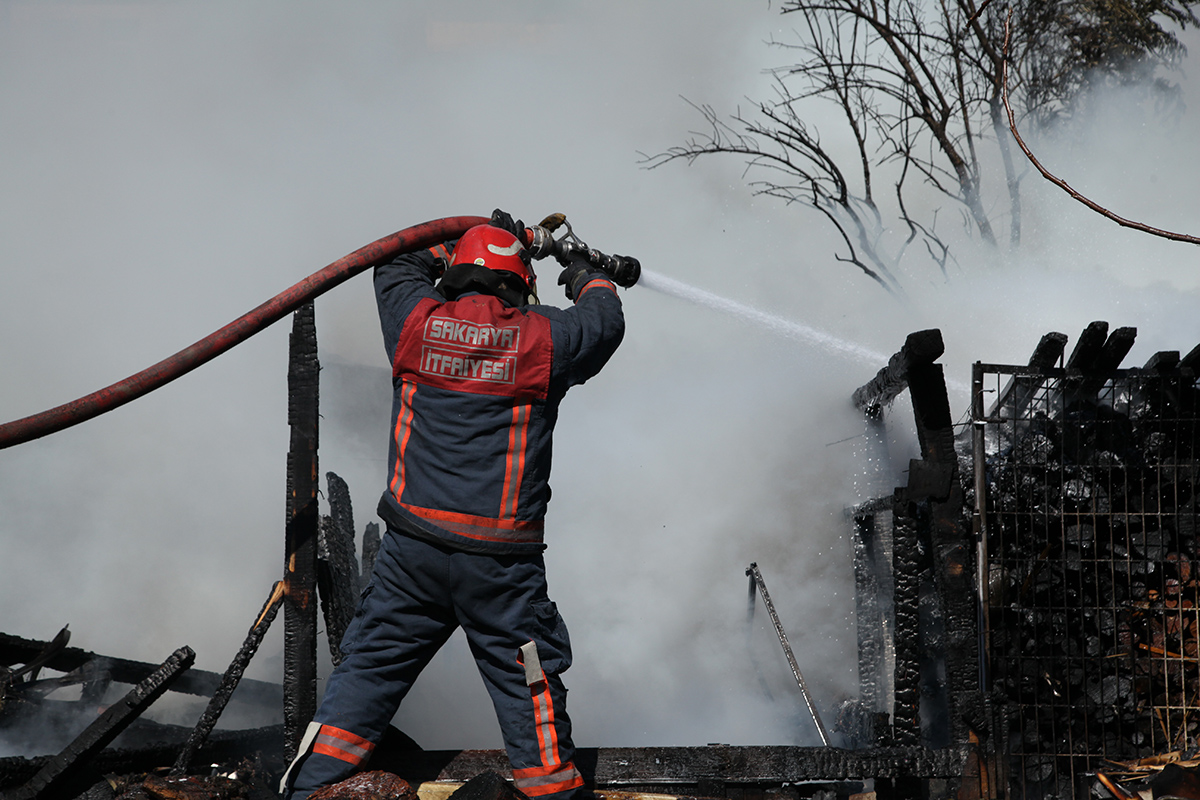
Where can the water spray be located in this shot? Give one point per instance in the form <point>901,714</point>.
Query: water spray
<point>775,324</point>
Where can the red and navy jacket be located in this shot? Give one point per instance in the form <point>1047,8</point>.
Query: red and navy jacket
<point>476,388</point>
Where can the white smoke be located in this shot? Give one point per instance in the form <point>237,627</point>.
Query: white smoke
<point>167,167</point>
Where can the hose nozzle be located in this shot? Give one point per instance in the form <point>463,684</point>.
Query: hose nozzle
<point>540,242</point>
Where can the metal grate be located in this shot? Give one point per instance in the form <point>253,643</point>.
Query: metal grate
<point>1086,488</point>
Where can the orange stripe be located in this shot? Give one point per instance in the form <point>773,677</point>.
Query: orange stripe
<point>543,719</point>
<point>514,466</point>
<point>597,281</point>
<point>532,525</point>
<point>347,736</point>
<point>402,434</point>
<point>521,458</point>
<point>537,781</point>
<point>552,730</point>
<point>355,749</point>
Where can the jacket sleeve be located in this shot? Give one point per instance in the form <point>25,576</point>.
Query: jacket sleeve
<point>588,334</point>
<point>403,283</point>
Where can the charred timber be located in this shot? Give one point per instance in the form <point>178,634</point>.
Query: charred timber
<point>1192,360</point>
<point>16,650</point>
<point>870,617</point>
<point>757,765</point>
<point>58,771</point>
<point>1088,347</point>
<point>1014,399</point>
<point>300,562</point>
<point>337,565</point>
<point>1092,520</point>
<point>229,682</point>
<point>1163,361</point>
<point>223,747</point>
<point>906,597</point>
<point>922,347</point>
<point>935,481</point>
<point>1116,347</point>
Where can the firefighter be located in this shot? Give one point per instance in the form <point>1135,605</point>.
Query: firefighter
<point>478,371</point>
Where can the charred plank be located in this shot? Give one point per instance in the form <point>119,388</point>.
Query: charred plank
<point>1049,350</point>
<point>1014,399</point>
<point>18,650</point>
<point>921,347</point>
<point>1191,360</point>
<point>57,771</point>
<point>1163,361</point>
<point>906,615</point>
<point>760,765</point>
<point>1087,349</point>
<point>300,556</point>
<point>1109,358</point>
<point>230,681</point>
<point>223,747</point>
<point>337,565</point>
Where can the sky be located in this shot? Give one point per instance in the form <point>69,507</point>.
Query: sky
<point>167,166</point>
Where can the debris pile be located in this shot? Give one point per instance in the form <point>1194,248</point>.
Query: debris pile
<point>1091,520</point>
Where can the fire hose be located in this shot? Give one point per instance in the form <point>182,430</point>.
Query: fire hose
<point>539,239</point>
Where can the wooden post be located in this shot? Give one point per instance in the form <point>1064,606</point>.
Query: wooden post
<point>300,557</point>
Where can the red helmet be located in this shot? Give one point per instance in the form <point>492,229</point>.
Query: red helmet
<point>496,249</point>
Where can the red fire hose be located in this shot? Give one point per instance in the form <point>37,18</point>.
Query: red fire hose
<point>408,240</point>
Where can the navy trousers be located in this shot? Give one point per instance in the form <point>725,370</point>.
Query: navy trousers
<point>419,594</point>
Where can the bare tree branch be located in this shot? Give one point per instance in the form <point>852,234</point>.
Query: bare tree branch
<point>1060,183</point>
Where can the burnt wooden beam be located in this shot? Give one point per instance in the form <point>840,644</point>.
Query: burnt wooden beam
<point>681,766</point>
<point>1109,358</point>
<point>300,554</point>
<point>931,409</point>
<point>337,565</point>
<point>17,650</point>
<point>229,682</point>
<point>1021,389</point>
<point>906,621</point>
<point>935,488</point>
<point>1049,350</point>
<point>1116,347</point>
<point>1191,360</point>
<point>1091,342</point>
<point>223,747</point>
<point>50,779</point>
<point>1163,361</point>
<point>869,614</point>
<point>28,672</point>
<point>921,347</point>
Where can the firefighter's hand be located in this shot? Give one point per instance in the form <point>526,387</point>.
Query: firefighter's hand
<point>504,221</point>
<point>576,272</point>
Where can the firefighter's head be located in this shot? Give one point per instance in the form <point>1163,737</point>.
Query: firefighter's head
<point>493,261</point>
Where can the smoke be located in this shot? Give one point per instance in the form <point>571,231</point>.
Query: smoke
<point>167,167</point>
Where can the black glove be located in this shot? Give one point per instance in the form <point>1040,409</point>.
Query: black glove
<point>504,221</point>
<point>576,272</point>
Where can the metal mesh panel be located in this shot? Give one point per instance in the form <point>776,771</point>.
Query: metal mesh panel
<point>1089,524</point>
